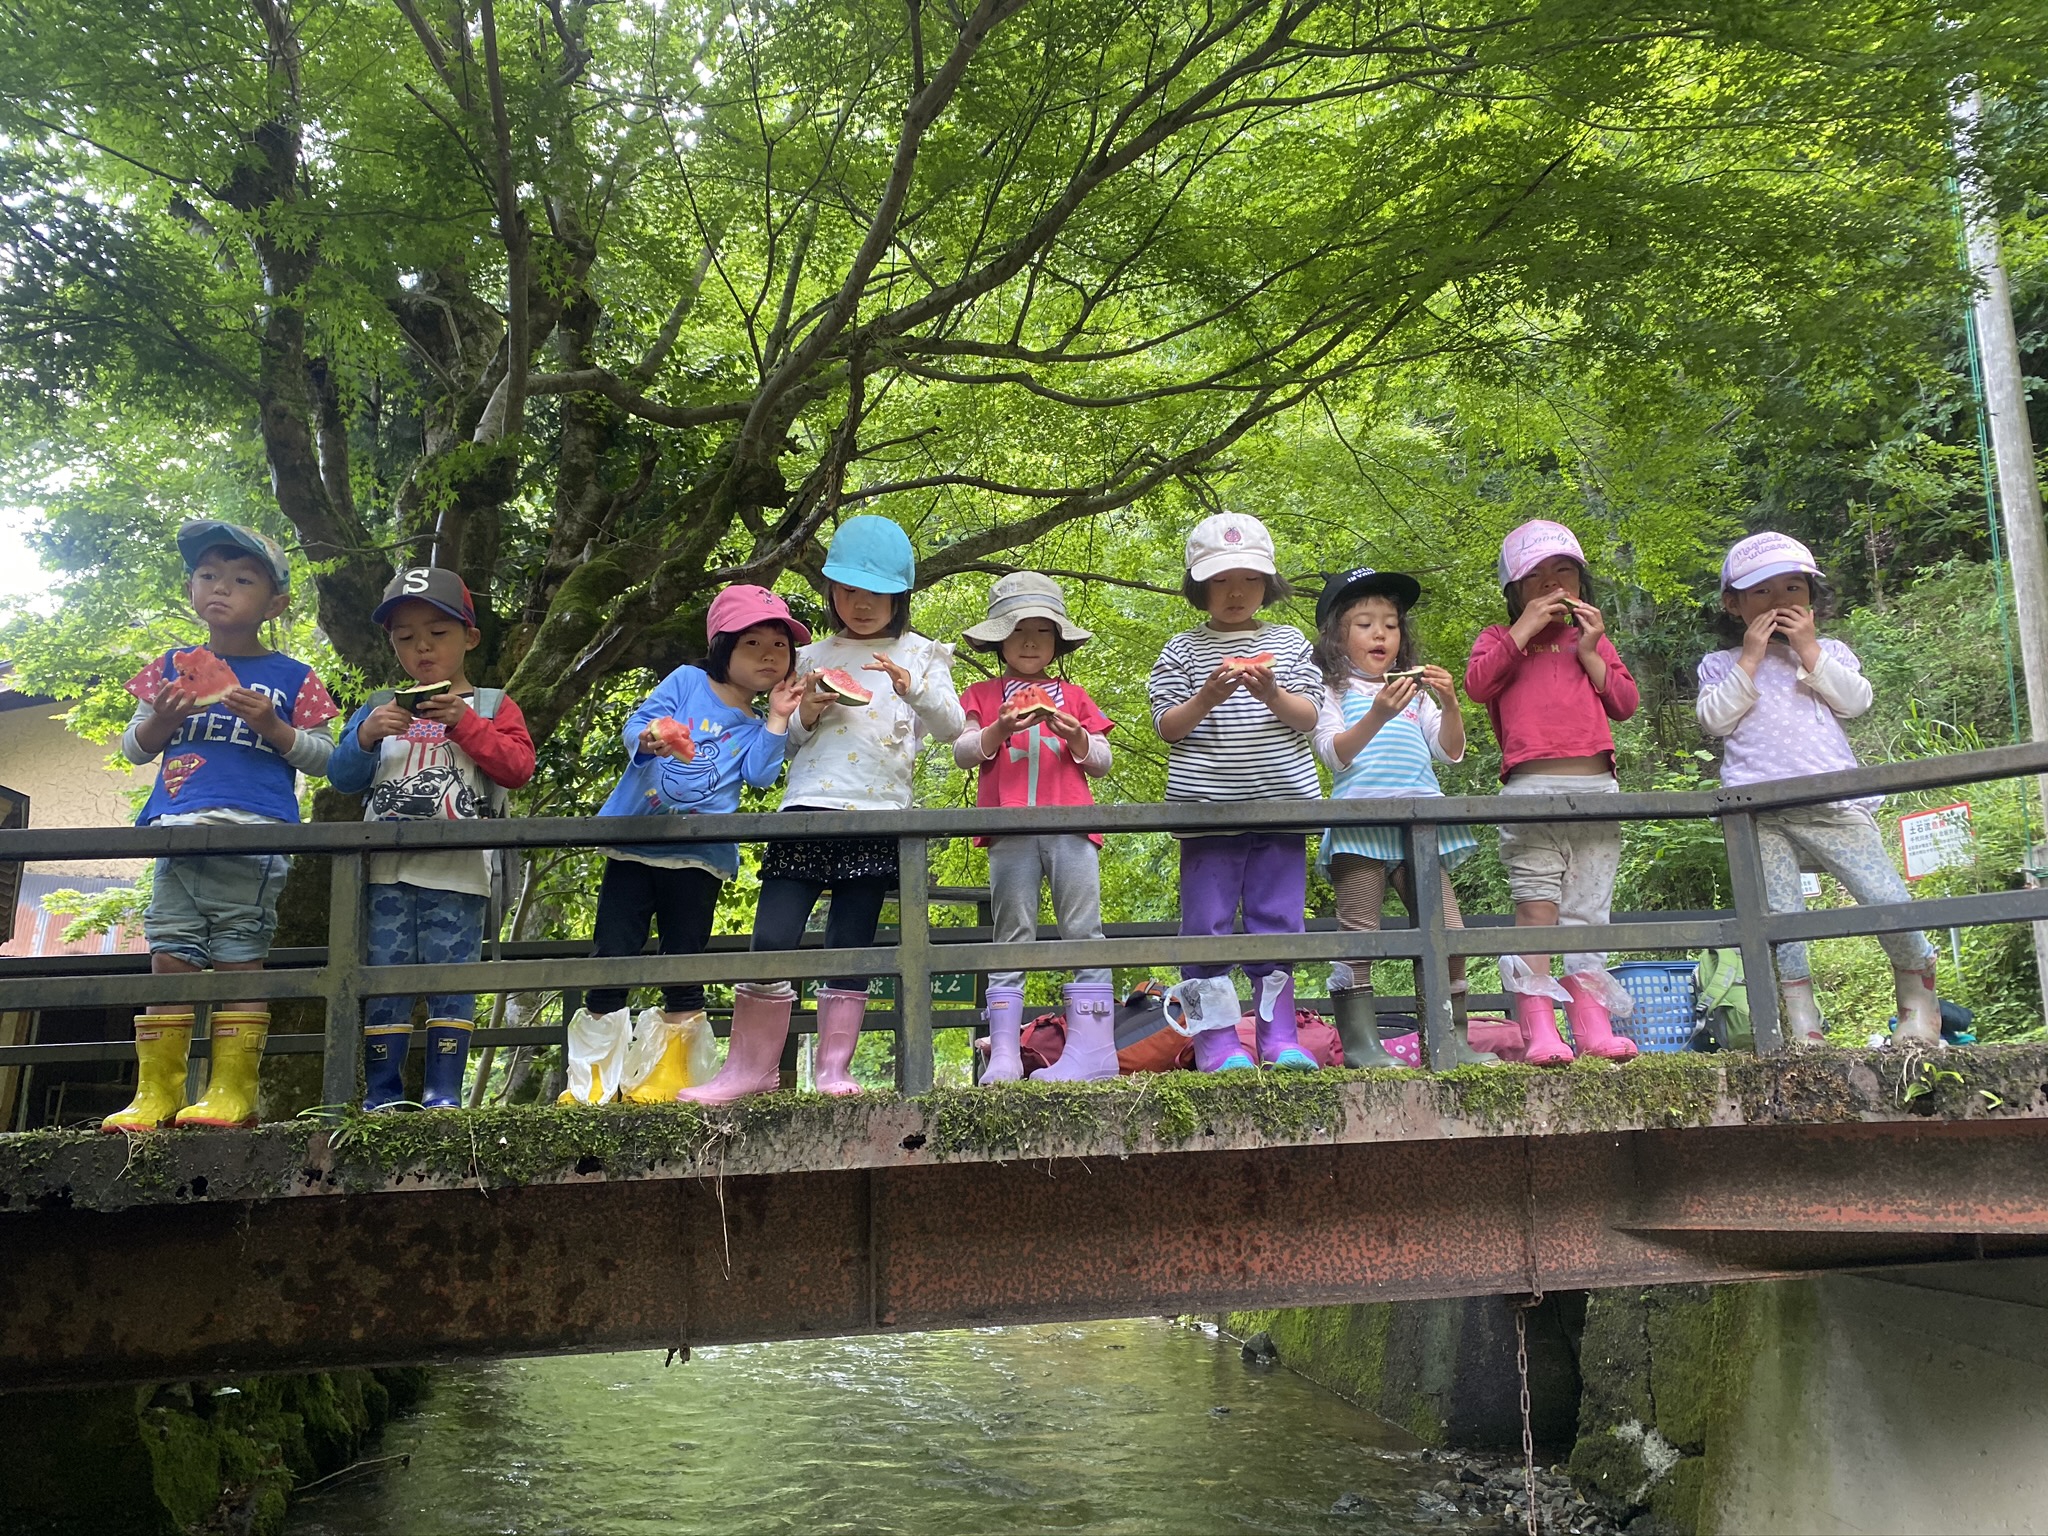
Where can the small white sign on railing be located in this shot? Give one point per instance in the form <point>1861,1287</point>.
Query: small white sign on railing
<point>1937,839</point>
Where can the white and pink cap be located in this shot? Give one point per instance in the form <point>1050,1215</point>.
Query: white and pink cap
<point>1762,556</point>
<point>1532,544</point>
<point>1229,541</point>
<point>742,607</point>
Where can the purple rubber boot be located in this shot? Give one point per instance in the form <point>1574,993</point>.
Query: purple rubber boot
<point>1218,1050</point>
<point>1279,1045</point>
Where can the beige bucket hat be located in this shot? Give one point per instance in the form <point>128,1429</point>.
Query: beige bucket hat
<point>1025,595</point>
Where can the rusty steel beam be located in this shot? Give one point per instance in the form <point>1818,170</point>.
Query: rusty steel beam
<point>163,1291</point>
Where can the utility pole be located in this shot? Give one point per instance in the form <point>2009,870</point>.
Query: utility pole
<point>2012,445</point>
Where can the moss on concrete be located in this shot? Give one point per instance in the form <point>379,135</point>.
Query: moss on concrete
<point>166,1461</point>
<point>1664,1371</point>
<point>524,1144</point>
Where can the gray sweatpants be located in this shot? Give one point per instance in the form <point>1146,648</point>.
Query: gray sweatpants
<point>1017,866</point>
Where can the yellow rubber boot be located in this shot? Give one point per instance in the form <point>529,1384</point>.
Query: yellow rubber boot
<point>230,1097</point>
<point>163,1041</point>
<point>670,1074</point>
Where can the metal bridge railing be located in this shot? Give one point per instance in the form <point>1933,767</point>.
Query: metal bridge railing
<point>344,980</point>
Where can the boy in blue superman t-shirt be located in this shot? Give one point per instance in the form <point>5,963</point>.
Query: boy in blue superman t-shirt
<point>236,723</point>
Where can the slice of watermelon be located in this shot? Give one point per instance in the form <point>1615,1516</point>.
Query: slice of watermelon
<point>841,683</point>
<point>1032,702</point>
<point>1245,663</point>
<point>210,678</point>
<point>410,699</point>
<point>675,735</point>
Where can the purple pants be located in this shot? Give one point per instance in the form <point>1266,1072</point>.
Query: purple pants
<point>1264,872</point>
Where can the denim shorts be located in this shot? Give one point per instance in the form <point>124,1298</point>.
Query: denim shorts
<point>214,908</point>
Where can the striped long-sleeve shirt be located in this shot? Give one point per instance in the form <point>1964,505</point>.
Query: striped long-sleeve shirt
<point>1241,750</point>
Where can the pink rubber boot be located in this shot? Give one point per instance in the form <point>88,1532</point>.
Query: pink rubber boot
<point>1592,1030</point>
<point>840,1012</point>
<point>1090,1054</point>
<point>1537,1017</point>
<point>753,1060</point>
<point>1005,1017</point>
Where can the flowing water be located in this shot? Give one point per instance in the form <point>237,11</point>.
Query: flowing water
<point>1117,1428</point>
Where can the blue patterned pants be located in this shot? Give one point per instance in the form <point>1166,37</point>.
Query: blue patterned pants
<point>410,925</point>
<point>1846,843</point>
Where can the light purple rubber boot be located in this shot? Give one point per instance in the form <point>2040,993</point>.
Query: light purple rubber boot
<point>1090,1055</point>
<point>1005,1027</point>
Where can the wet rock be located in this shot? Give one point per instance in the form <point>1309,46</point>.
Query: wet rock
<point>1259,1349</point>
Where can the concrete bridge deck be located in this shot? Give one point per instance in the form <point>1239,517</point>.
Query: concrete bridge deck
<point>540,1230</point>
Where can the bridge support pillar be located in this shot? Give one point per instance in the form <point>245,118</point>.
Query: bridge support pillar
<point>1910,1400</point>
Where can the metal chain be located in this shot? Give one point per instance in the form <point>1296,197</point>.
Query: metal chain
<point>1522,1368</point>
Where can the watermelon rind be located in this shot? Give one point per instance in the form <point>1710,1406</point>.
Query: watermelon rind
<point>842,684</point>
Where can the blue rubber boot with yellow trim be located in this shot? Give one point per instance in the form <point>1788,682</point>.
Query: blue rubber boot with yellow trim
<point>229,1102</point>
<point>447,1055</point>
<point>384,1048</point>
<point>163,1041</point>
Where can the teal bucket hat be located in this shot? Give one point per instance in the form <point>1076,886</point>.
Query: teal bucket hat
<point>873,554</point>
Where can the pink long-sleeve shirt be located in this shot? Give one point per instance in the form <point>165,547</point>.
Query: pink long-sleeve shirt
<point>1542,704</point>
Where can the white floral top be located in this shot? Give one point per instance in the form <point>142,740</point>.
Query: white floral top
<point>860,756</point>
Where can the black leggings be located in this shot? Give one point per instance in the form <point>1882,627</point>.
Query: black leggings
<point>633,896</point>
<point>785,908</point>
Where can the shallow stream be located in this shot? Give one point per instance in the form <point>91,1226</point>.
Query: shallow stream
<point>1133,1428</point>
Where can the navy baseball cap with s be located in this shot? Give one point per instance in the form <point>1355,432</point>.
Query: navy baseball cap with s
<point>428,584</point>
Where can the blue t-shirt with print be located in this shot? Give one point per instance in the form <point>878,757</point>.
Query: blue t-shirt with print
<point>216,761</point>
<point>734,746</point>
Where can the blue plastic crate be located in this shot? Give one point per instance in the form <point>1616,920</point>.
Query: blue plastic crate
<point>1665,993</point>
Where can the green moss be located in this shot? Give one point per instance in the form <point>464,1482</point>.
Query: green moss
<point>186,1454</point>
<point>1163,1109</point>
<point>1493,1098</point>
<point>1678,1088</point>
<point>524,1144</point>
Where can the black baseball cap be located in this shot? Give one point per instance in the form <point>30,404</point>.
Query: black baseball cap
<point>1366,582</point>
<point>428,584</point>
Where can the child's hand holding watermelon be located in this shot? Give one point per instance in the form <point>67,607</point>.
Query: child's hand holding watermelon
<point>259,712</point>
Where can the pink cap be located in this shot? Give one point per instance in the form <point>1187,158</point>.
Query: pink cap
<point>1762,556</point>
<point>1532,544</point>
<point>742,607</point>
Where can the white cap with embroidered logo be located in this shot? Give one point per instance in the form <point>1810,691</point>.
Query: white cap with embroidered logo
<point>1762,556</point>
<point>1230,541</point>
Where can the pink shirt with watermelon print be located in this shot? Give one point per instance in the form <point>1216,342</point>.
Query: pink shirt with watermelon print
<point>1034,767</point>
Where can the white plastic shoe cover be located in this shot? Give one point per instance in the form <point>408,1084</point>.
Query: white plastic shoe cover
<point>597,1056</point>
<point>1516,976</point>
<point>652,1032</point>
<point>1206,1003</point>
<point>1620,1004</point>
